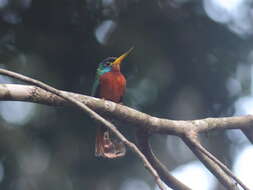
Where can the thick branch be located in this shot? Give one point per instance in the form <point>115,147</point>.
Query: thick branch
<point>14,92</point>
<point>242,122</point>
<point>93,115</point>
<point>147,122</point>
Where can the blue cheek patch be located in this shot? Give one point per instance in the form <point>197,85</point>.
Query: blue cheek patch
<point>105,70</point>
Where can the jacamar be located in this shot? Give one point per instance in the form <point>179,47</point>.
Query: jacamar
<point>109,84</point>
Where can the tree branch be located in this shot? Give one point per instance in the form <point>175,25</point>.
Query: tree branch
<point>14,92</point>
<point>148,123</point>
<point>226,177</point>
<point>220,164</point>
<point>143,143</point>
<point>93,115</point>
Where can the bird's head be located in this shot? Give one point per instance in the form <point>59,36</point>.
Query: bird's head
<point>112,63</point>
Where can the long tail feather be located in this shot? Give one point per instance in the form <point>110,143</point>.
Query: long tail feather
<point>107,145</point>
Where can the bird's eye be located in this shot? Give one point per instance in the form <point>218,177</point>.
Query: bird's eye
<point>107,64</point>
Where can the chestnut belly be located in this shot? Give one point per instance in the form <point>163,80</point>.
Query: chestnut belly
<point>112,86</point>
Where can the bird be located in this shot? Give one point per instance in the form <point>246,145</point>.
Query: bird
<point>110,84</point>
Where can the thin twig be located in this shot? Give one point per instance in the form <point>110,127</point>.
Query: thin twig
<point>144,146</point>
<point>219,163</point>
<point>191,140</point>
<point>93,115</point>
<point>224,179</point>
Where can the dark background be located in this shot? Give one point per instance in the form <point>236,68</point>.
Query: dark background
<point>192,59</point>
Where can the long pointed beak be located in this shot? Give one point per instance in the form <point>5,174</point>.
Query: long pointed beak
<point>122,57</point>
